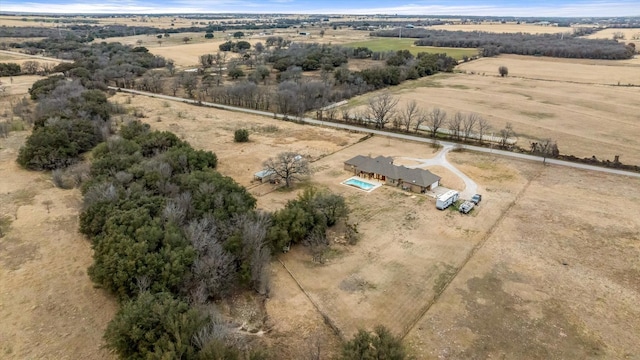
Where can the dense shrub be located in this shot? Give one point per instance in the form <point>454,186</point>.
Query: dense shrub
<point>241,135</point>
<point>380,344</point>
<point>57,144</point>
<point>154,326</point>
<point>9,69</point>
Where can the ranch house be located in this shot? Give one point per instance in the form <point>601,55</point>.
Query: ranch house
<point>383,170</point>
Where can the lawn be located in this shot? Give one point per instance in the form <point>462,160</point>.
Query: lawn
<point>394,44</point>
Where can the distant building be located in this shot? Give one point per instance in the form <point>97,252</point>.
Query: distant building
<point>383,170</point>
<point>265,176</point>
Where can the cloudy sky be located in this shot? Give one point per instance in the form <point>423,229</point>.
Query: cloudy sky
<point>571,8</point>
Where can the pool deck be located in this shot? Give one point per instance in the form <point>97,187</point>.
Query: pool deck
<point>374,184</point>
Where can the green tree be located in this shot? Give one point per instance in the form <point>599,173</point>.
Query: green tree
<point>154,326</point>
<point>241,135</point>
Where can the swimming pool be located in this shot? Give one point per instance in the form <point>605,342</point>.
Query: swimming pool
<point>361,184</point>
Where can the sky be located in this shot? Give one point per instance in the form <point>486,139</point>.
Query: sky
<point>530,8</point>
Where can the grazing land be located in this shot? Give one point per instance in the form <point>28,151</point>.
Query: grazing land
<point>573,103</point>
<point>504,28</point>
<point>557,273</point>
<point>629,35</point>
<point>393,44</point>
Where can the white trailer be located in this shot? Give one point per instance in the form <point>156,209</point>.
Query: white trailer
<point>447,199</point>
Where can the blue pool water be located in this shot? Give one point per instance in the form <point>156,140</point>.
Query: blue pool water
<point>359,183</point>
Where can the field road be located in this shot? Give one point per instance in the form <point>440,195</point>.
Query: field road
<point>470,186</point>
<point>388,134</point>
<point>15,53</point>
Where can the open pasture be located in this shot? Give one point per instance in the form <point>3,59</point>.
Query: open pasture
<point>394,44</point>
<point>503,28</point>
<point>557,277</point>
<point>542,99</point>
<point>629,35</point>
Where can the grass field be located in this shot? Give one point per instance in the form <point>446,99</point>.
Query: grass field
<point>578,104</point>
<point>393,44</point>
<point>504,28</point>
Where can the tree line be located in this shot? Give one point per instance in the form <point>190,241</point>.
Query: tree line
<point>170,234</point>
<point>492,44</point>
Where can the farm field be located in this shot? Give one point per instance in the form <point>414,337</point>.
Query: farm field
<point>504,28</point>
<point>629,35</point>
<point>393,44</point>
<point>557,278</point>
<point>541,99</point>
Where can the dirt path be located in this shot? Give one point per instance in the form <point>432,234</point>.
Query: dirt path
<point>470,186</point>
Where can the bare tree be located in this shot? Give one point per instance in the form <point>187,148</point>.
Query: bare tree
<point>288,166</point>
<point>219,63</point>
<point>409,114</point>
<point>505,134</point>
<point>546,148</point>
<point>382,108</point>
<point>421,118</point>
<point>30,67</point>
<point>175,85</point>
<point>189,82</point>
<point>483,127</point>
<point>455,125</point>
<point>256,250</point>
<point>206,61</point>
<point>436,120</point>
<point>468,124</point>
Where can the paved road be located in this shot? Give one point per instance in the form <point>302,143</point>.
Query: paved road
<point>390,134</point>
<point>470,186</point>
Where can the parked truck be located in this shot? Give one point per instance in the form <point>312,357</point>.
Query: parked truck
<point>466,207</point>
<point>447,199</point>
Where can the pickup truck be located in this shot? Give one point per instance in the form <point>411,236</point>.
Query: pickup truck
<point>466,207</point>
<point>476,199</point>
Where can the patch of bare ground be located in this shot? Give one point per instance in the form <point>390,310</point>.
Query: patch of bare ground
<point>557,277</point>
<point>49,308</point>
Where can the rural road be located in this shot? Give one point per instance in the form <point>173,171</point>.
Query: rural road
<point>470,186</point>
<point>15,53</point>
<point>388,134</point>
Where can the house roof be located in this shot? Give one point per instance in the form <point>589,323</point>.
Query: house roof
<point>384,166</point>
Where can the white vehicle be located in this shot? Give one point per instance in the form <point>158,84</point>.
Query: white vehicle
<point>466,207</point>
<point>447,199</point>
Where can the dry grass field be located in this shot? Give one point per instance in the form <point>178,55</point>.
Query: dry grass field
<point>629,35</point>
<point>49,308</point>
<point>504,28</point>
<point>571,103</point>
<point>557,277</point>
